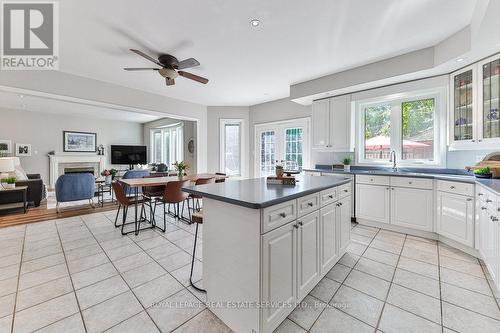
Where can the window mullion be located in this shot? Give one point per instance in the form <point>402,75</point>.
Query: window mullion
<point>396,129</point>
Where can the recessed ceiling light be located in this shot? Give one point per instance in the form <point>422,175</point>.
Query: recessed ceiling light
<point>460,59</point>
<point>254,23</point>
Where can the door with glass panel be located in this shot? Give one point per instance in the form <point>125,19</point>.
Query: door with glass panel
<point>489,93</point>
<point>285,142</point>
<point>463,103</point>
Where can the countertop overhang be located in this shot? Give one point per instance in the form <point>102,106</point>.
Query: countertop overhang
<point>256,194</point>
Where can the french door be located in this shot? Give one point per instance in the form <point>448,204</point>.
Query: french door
<point>286,141</point>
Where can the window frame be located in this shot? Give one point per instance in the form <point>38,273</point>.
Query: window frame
<point>222,143</point>
<point>396,135</point>
<point>179,144</point>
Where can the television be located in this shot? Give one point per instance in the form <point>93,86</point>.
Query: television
<point>128,155</point>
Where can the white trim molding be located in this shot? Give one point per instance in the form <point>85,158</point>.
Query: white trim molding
<point>56,160</point>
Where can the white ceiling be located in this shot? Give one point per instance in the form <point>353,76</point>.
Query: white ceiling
<point>297,40</point>
<point>16,101</point>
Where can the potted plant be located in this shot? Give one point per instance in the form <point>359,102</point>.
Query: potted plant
<point>181,168</point>
<point>483,172</point>
<point>9,182</point>
<point>109,175</point>
<point>347,164</point>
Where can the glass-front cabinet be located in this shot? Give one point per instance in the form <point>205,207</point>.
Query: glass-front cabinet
<point>490,93</point>
<point>474,118</point>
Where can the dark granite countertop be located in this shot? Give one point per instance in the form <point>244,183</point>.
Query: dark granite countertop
<point>256,194</point>
<point>491,184</point>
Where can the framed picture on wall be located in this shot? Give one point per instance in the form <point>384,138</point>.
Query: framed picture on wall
<point>79,142</point>
<point>23,149</point>
<point>5,146</point>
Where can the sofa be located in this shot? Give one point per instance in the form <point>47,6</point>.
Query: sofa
<point>36,191</point>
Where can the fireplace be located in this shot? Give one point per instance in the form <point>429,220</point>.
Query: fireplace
<point>79,170</point>
<point>66,163</point>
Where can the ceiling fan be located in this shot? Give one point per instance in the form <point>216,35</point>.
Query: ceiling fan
<point>171,68</point>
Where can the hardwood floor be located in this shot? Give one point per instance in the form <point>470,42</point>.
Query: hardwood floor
<point>42,213</point>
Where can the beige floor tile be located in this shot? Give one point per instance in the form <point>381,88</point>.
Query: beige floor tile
<point>381,245</point>
<point>205,322</point>
<point>175,310</point>
<point>123,251</point>
<point>465,281</point>
<point>325,289</point>
<point>140,323</point>
<point>338,273</point>
<point>175,261</point>
<point>416,254</point>
<point>361,239</point>
<point>417,282</point>
<point>88,262</point>
<point>41,263</point>
<point>462,320</point>
<point>157,290</point>
<point>101,291</point>
<point>462,266</point>
<point>395,320</point>
<point>107,314</point>
<point>93,275</point>
<point>7,305</point>
<point>133,261</point>
<point>445,250</point>
<point>43,292</point>
<point>356,248</point>
<point>8,286</point>
<point>41,252</point>
<point>335,321</point>
<point>9,272</point>
<point>82,252</point>
<point>13,259</point>
<point>288,326</point>
<point>381,256</point>
<point>143,274</point>
<point>45,314</point>
<point>368,284</point>
<point>32,279</point>
<point>364,232</point>
<point>349,259</point>
<point>151,243</point>
<point>416,303</point>
<point>306,313</point>
<point>163,251</point>
<point>182,274</point>
<point>6,324</point>
<point>71,324</point>
<point>358,305</point>
<point>470,300</point>
<point>419,267</point>
<point>375,268</point>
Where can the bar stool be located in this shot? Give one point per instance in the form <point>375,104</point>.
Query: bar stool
<point>125,202</point>
<point>152,194</point>
<point>199,181</point>
<point>197,218</point>
<point>173,194</point>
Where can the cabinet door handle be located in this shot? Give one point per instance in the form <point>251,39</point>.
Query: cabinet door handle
<point>473,140</point>
<point>346,190</point>
<point>484,208</point>
<point>300,223</point>
<point>488,200</point>
<point>452,187</point>
<point>283,215</point>
<point>310,204</point>
<point>388,188</point>
<point>479,194</point>
<point>469,199</point>
<point>340,204</point>
<point>410,183</point>
<point>295,226</point>
<point>494,218</point>
<point>480,140</point>
<point>392,188</point>
<point>337,204</point>
<point>331,196</point>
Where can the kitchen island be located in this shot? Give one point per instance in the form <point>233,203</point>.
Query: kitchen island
<point>265,247</point>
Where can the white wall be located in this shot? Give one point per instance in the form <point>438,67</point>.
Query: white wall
<point>214,115</point>
<point>189,131</point>
<point>44,131</point>
<point>282,109</point>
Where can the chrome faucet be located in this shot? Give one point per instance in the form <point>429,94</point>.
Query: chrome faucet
<point>393,159</point>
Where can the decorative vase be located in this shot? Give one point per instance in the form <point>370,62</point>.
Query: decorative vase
<point>279,172</point>
<point>180,174</point>
<point>108,180</point>
<point>9,186</point>
<point>347,168</point>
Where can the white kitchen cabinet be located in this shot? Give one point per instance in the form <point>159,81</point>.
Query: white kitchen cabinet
<point>329,246</point>
<point>279,271</point>
<point>373,202</point>
<point>320,124</point>
<point>308,253</point>
<point>331,124</point>
<point>484,232</point>
<point>455,217</point>
<point>343,219</point>
<point>412,208</point>
<point>351,191</point>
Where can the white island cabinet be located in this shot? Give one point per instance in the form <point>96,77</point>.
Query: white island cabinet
<point>265,247</point>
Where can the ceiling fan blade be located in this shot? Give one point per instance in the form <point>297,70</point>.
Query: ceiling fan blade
<point>193,77</point>
<point>144,55</point>
<point>170,82</point>
<point>141,69</point>
<point>188,63</point>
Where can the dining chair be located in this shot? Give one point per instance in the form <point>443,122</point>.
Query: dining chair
<point>197,218</point>
<point>125,202</point>
<point>173,195</point>
<point>193,197</point>
<point>220,180</point>
<point>152,194</point>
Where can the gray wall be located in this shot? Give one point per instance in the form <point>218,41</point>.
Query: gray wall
<point>189,133</point>
<point>214,115</point>
<point>44,131</point>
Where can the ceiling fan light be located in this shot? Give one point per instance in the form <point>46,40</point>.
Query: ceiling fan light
<point>168,73</point>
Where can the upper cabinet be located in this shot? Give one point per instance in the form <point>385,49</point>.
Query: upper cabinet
<point>331,124</point>
<point>474,106</point>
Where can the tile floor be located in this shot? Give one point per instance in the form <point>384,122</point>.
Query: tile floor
<point>80,275</point>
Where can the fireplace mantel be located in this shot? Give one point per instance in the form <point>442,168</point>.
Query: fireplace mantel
<point>58,159</point>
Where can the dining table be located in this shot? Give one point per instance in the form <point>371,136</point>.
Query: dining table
<point>135,183</point>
